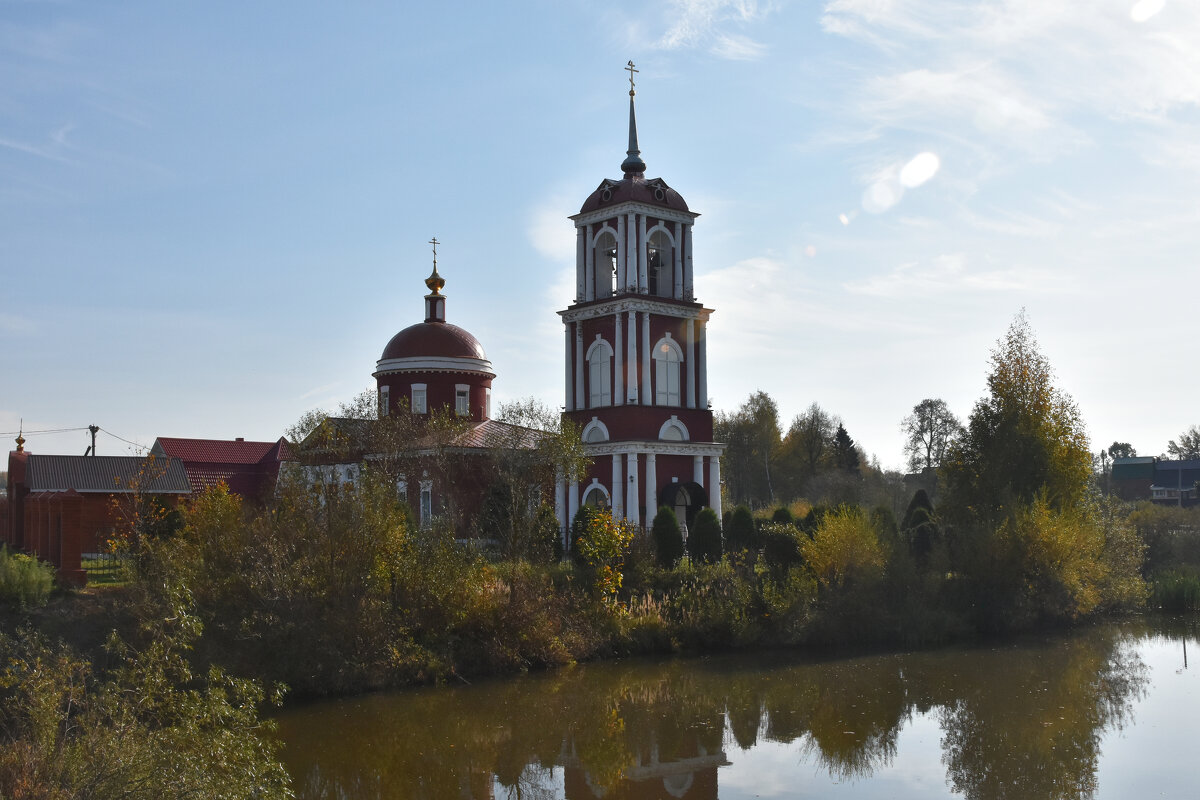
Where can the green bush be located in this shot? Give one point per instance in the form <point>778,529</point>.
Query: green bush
<point>668,539</point>
<point>741,534</point>
<point>1176,591</point>
<point>24,581</point>
<point>780,545</point>
<point>704,541</point>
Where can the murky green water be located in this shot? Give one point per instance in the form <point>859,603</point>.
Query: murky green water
<point>1108,712</point>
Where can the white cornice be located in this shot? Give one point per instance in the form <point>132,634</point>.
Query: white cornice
<point>634,302</point>
<point>391,366</point>
<point>659,448</point>
<point>625,207</point>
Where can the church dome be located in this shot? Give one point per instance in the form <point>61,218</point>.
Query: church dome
<point>634,188</point>
<point>433,339</point>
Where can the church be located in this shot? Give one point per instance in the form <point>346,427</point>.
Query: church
<point>635,363</point>
<point>636,366</point>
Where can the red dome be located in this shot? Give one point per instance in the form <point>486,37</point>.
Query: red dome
<point>433,339</point>
<point>634,188</point>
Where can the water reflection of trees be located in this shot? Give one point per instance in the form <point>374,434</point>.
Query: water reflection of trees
<point>1017,722</point>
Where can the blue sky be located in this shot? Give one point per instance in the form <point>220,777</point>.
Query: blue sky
<point>214,216</point>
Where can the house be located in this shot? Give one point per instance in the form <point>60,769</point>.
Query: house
<point>1161,480</point>
<point>61,507</point>
<point>249,469</point>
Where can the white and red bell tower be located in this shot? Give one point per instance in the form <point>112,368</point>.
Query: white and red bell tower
<point>636,354</point>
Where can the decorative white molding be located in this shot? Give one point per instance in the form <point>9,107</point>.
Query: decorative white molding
<point>673,422</point>
<point>628,206</point>
<point>391,366</point>
<point>611,305</point>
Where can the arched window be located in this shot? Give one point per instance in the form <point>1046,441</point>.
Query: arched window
<point>660,264</point>
<point>599,358</point>
<point>595,431</point>
<point>596,496</point>
<point>667,358</point>
<point>606,264</point>
<point>673,431</point>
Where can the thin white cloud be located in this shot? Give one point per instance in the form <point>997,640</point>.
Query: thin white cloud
<point>33,150</point>
<point>1026,74</point>
<point>738,48</point>
<point>550,234</point>
<point>949,274</point>
<point>698,23</point>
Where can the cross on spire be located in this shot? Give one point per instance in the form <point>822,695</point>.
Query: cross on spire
<point>435,282</point>
<point>434,242</point>
<point>631,70</point>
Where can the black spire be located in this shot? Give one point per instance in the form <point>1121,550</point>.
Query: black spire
<point>633,164</point>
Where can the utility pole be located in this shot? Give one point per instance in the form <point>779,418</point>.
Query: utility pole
<point>92,429</point>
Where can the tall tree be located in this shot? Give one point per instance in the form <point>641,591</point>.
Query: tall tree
<point>1187,446</point>
<point>752,437</point>
<point>807,449</point>
<point>1024,439</point>
<point>845,454</point>
<point>1121,450</point>
<point>929,431</point>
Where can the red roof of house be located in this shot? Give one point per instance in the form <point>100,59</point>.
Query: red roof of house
<point>222,451</point>
<point>245,467</point>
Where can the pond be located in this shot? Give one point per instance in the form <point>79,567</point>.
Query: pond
<point>1110,711</point>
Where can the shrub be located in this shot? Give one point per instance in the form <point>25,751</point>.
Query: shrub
<point>741,533</point>
<point>704,541</point>
<point>844,547</point>
<point>668,540</point>
<point>24,581</point>
<point>783,515</point>
<point>601,544</point>
<point>780,545</point>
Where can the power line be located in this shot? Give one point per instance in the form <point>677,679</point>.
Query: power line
<point>35,433</point>
<point>123,439</point>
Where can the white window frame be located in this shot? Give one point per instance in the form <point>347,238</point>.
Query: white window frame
<point>462,399</point>
<point>426,503</point>
<point>668,366</point>
<point>599,359</point>
<point>420,398</point>
<point>385,393</point>
<point>606,284</point>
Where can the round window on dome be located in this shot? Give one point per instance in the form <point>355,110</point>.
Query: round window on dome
<point>659,194</point>
<point>606,195</point>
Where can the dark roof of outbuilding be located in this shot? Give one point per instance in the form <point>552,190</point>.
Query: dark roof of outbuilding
<point>109,474</point>
<point>440,339</point>
<point>634,188</point>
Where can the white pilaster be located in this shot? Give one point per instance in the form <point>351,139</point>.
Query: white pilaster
<point>618,396</point>
<point>631,261</point>
<point>647,394</point>
<point>702,367</point>
<point>589,260</point>
<point>714,484</point>
<point>678,271</point>
<point>560,500</point>
<point>631,347</point>
<point>651,488</point>
<point>690,366</point>
<point>569,393</point>
<point>698,469</point>
<point>617,494</point>
<point>572,503</point>
<point>688,273</point>
<point>622,253</point>
<point>580,366</point>
<point>631,504</point>
<point>580,271</point>
<point>643,282</point>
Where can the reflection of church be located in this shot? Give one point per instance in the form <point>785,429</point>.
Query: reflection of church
<point>636,353</point>
<point>686,778</point>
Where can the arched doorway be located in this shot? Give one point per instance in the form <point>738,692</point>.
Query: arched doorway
<point>685,499</point>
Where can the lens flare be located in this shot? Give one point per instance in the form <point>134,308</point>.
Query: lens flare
<point>921,168</point>
<point>1145,9</point>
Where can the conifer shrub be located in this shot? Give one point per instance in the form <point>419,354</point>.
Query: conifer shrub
<point>783,515</point>
<point>780,545</point>
<point>668,539</point>
<point>704,540</point>
<point>741,533</point>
